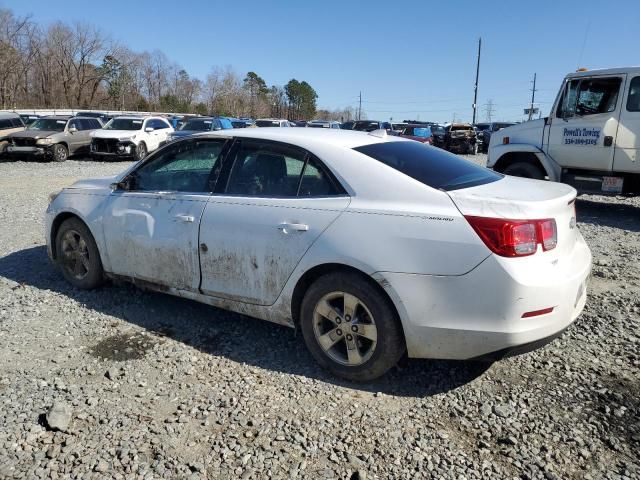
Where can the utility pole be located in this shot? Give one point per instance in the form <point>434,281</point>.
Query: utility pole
<point>533,96</point>
<point>489,109</point>
<point>475,86</point>
<point>360,106</point>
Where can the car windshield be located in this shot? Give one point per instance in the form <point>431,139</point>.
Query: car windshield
<point>430,165</point>
<point>49,124</point>
<point>199,125</point>
<point>124,124</point>
<point>267,123</point>
<point>366,126</point>
<point>460,128</point>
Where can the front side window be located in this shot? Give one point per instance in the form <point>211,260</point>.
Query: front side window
<point>633,99</point>
<point>188,166</point>
<point>265,169</point>
<point>432,166</point>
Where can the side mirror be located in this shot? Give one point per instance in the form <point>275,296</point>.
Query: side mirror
<point>124,185</point>
<point>73,129</point>
<point>149,129</point>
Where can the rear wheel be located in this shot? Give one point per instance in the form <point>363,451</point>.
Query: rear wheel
<point>525,170</point>
<point>78,256</point>
<point>350,328</point>
<point>60,153</point>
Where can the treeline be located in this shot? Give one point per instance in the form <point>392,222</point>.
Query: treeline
<point>78,66</point>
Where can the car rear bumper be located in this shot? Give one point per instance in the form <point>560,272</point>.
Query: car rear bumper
<point>481,312</point>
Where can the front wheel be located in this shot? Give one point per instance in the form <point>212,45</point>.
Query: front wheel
<point>78,256</point>
<point>350,328</point>
<point>525,170</point>
<point>141,151</point>
<point>60,153</point>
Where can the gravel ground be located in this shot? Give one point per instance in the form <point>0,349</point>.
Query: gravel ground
<point>146,385</point>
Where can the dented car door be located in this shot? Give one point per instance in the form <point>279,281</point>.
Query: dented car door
<point>278,201</point>
<point>151,224</point>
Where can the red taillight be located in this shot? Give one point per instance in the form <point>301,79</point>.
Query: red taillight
<point>515,238</point>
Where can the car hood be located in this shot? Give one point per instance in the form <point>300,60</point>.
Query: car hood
<point>100,183</point>
<point>115,133</point>
<point>37,134</point>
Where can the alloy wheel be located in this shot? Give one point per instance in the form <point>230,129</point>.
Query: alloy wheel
<point>345,328</point>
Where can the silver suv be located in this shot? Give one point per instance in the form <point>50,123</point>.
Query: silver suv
<point>53,138</point>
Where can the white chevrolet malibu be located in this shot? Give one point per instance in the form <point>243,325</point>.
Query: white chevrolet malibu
<point>372,245</point>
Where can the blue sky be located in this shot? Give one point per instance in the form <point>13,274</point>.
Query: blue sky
<point>409,59</point>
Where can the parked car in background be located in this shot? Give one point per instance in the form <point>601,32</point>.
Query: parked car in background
<point>272,122</point>
<point>460,138</point>
<point>9,123</point>
<point>130,136</point>
<point>53,137</point>
<point>348,125</point>
<point>249,122</point>
<point>398,126</point>
<point>28,118</point>
<point>484,136</point>
<point>438,133</point>
<point>299,123</point>
<point>237,122</point>
<point>102,116</point>
<point>464,262</point>
<point>324,124</point>
<point>371,125</point>
<point>198,125</point>
<point>420,133</point>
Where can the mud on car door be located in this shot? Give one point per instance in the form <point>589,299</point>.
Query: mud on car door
<point>151,223</point>
<point>277,202</point>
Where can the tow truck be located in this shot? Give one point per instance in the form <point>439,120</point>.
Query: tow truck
<point>590,140</point>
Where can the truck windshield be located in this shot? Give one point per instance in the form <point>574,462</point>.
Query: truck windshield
<point>124,124</point>
<point>432,166</point>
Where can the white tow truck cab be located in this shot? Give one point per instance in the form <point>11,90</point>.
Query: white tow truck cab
<point>590,140</point>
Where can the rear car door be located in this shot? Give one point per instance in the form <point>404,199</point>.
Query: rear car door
<point>151,226</point>
<point>278,200</point>
<point>584,125</point>
<point>627,144</point>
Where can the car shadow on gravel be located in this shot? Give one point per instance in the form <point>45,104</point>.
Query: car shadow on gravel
<point>608,214</point>
<point>221,333</point>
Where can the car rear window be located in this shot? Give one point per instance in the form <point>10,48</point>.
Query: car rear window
<point>430,165</point>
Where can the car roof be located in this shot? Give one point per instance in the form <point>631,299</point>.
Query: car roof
<point>57,117</point>
<point>9,115</point>
<point>304,137</point>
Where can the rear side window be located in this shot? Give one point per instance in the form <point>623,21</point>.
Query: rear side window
<point>5,123</point>
<point>430,165</point>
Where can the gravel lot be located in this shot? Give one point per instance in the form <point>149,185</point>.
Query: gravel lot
<point>156,386</point>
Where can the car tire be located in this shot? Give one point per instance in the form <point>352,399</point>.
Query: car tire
<point>525,170</point>
<point>60,153</point>
<point>358,347</point>
<point>141,151</point>
<point>78,256</point>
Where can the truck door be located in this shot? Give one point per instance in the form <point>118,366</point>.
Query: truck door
<point>583,126</point>
<point>627,144</point>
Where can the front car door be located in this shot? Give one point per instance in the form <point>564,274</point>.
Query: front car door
<point>151,226</point>
<point>74,140</point>
<point>627,144</point>
<point>277,201</point>
<point>584,123</point>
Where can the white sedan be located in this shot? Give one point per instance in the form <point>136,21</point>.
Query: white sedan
<point>372,245</point>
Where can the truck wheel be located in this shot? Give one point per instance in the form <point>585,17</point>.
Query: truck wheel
<point>60,153</point>
<point>349,328</point>
<point>525,170</point>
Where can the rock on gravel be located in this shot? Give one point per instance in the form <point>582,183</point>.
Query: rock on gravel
<point>59,416</point>
<point>161,387</point>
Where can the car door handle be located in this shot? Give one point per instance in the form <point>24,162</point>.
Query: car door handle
<point>185,218</point>
<point>293,227</point>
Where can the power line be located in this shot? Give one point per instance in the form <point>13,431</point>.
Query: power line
<point>489,108</point>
